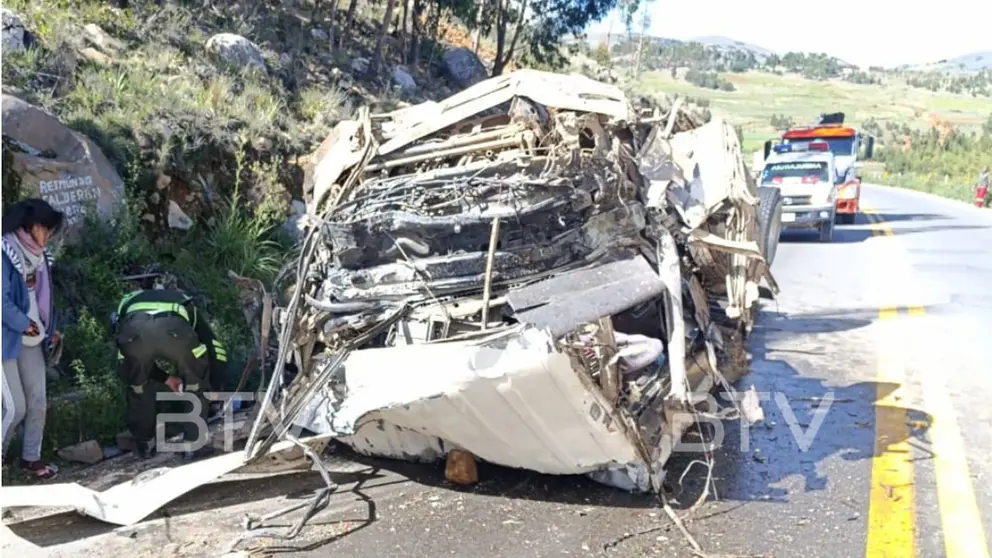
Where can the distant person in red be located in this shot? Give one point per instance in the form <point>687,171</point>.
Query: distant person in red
<point>985,182</point>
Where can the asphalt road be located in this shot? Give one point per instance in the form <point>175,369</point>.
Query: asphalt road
<point>875,443</point>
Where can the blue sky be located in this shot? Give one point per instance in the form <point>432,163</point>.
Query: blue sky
<point>866,32</point>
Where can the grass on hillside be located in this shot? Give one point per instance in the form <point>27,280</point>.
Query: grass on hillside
<point>760,95</point>
<point>163,100</point>
<point>164,107</point>
<point>961,188</point>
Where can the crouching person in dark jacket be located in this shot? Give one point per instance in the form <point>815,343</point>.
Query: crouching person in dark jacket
<point>165,325</point>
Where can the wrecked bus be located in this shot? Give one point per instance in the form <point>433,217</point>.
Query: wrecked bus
<point>475,269</point>
<point>531,271</point>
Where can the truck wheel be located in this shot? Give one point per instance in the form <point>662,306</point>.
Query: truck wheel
<point>846,218</point>
<point>827,231</point>
<point>769,221</point>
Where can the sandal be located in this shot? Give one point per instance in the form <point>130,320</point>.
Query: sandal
<point>39,469</point>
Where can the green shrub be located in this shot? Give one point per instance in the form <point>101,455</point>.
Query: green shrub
<point>89,280</point>
<point>97,406</point>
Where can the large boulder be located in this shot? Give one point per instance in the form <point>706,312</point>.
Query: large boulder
<point>403,80</point>
<point>15,37</point>
<point>63,167</point>
<point>360,65</point>
<point>96,36</point>
<point>464,67</point>
<point>236,50</point>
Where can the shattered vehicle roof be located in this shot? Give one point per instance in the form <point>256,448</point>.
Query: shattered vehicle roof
<point>516,217</point>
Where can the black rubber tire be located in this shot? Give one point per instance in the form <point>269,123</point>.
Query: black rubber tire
<point>769,221</point>
<point>845,218</point>
<point>827,231</point>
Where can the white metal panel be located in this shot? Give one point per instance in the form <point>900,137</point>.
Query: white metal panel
<point>711,160</point>
<point>379,438</point>
<point>513,401</point>
<point>131,501</point>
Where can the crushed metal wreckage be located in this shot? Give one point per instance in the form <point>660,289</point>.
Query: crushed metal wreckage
<point>530,271</point>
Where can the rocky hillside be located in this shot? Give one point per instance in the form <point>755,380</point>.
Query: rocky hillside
<point>186,105</point>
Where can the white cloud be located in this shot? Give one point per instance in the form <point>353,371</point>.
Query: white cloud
<point>864,32</point>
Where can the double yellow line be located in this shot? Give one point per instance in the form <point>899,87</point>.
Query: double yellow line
<point>892,511</point>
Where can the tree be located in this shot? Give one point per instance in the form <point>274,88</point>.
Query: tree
<point>540,25</point>
<point>627,9</point>
<point>381,40</point>
<point>601,54</point>
<point>504,52</point>
<point>645,23</point>
<point>478,25</point>
<point>349,23</point>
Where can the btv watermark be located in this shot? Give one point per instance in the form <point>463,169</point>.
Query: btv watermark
<point>709,411</point>
<point>706,410</point>
<point>193,418</point>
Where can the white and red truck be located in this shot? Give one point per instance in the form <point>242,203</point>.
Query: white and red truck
<point>849,147</point>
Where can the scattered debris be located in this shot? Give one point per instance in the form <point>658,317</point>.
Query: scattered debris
<point>133,500</point>
<point>88,452</point>
<point>461,468</point>
<point>751,407</point>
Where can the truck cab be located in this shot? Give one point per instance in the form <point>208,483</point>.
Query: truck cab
<point>806,175</point>
<point>848,146</point>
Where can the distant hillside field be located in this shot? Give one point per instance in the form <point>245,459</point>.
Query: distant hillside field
<point>972,62</point>
<point>716,40</point>
<point>759,96</point>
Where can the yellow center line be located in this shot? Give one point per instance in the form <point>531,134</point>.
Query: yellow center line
<point>892,515</point>
<point>891,512</point>
<point>960,519</point>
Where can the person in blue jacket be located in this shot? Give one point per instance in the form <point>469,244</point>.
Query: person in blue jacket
<point>28,325</point>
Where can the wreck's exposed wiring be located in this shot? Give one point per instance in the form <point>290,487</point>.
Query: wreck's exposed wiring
<point>321,498</point>
<point>423,280</point>
<point>318,381</point>
<point>709,463</point>
<point>252,450</point>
